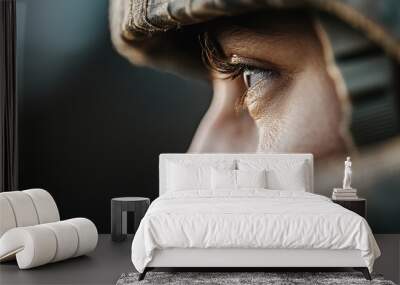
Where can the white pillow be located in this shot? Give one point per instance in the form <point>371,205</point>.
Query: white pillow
<point>193,174</point>
<point>223,179</point>
<point>282,174</point>
<point>251,179</point>
<point>237,179</point>
<point>183,177</point>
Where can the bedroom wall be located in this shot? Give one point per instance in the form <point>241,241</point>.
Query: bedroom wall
<point>91,125</point>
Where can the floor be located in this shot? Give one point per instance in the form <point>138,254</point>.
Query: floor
<point>110,260</point>
<point>104,266</point>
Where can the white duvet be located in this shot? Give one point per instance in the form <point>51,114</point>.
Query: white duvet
<point>250,219</point>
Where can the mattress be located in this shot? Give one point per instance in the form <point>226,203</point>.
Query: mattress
<point>250,219</point>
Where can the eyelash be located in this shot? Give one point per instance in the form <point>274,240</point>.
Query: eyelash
<point>214,60</point>
<point>235,70</point>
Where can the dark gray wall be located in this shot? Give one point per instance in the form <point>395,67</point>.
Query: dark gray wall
<point>91,125</point>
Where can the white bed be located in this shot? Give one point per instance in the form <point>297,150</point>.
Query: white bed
<point>282,224</point>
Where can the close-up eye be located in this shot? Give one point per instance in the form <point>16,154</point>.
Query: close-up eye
<point>252,75</point>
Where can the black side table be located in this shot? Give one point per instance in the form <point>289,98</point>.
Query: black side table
<point>119,209</point>
<point>358,206</point>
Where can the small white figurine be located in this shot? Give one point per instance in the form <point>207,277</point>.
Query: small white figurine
<point>347,174</point>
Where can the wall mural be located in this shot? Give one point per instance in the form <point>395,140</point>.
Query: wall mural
<point>118,87</point>
<point>319,79</point>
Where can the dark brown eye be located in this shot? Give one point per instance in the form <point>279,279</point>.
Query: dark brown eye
<point>252,76</point>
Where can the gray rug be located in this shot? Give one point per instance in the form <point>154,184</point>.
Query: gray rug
<point>269,278</point>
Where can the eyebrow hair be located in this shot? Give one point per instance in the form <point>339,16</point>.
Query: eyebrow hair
<point>215,59</point>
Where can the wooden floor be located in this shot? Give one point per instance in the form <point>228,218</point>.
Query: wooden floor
<point>111,259</point>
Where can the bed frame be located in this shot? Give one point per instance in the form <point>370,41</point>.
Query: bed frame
<point>248,258</point>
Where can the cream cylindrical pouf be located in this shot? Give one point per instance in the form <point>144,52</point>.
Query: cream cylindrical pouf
<point>67,240</point>
<point>45,205</point>
<point>7,218</point>
<point>23,208</point>
<point>40,244</point>
<point>33,246</point>
<point>87,233</point>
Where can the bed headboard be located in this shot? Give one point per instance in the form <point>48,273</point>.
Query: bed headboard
<point>307,158</point>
